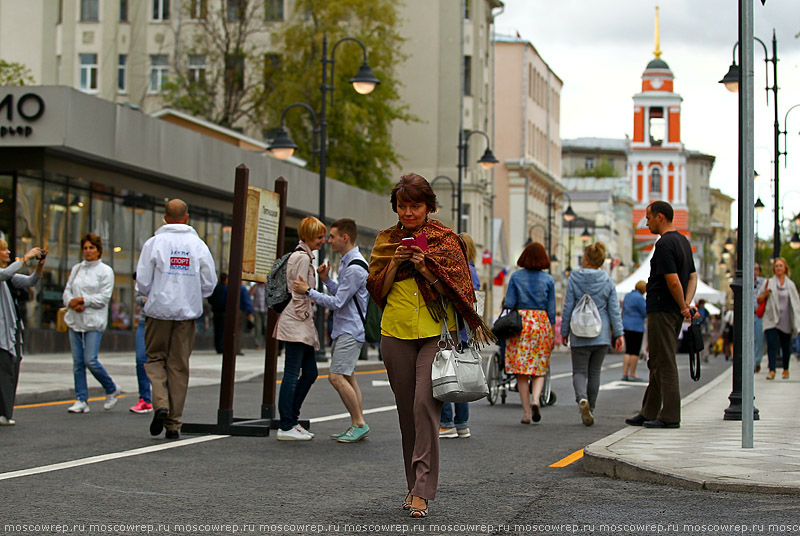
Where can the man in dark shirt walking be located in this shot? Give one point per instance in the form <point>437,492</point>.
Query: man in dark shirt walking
<point>670,290</point>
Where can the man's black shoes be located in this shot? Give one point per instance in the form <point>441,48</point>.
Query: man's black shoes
<point>636,420</point>
<point>660,424</point>
<point>158,421</point>
<point>172,434</point>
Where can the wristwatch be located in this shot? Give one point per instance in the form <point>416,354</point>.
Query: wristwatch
<point>307,291</point>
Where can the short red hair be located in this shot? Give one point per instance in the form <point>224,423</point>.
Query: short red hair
<point>414,188</point>
<point>534,257</point>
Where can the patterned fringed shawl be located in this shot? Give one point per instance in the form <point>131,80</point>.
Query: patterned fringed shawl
<point>446,258</point>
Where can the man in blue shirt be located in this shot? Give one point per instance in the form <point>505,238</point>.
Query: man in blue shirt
<point>348,301</point>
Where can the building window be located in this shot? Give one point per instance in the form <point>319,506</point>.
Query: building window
<point>160,10</point>
<point>273,10</point>
<point>159,69</point>
<point>589,164</point>
<point>236,10</point>
<point>657,126</point>
<point>197,69</point>
<point>90,10</point>
<point>272,68</point>
<point>655,180</point>
<point>467,75</point>
<point>123,10</point>
<point>122,73</point>
<point>234,73</point>
<point>198,10</point>
<point>466,9</point>
<point>88,72</point>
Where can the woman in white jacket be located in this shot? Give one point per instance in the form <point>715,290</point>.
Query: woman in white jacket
<point>86,296</point>
<point>781,320</point>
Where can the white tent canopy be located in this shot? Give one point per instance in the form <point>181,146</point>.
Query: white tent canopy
<point>704,292</point>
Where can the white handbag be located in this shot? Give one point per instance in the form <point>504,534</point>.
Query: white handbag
<point>457,373</point>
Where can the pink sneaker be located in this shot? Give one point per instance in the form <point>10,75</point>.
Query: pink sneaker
<point>142,407</point>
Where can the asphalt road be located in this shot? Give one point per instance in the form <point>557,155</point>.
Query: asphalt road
<point>499,481</point>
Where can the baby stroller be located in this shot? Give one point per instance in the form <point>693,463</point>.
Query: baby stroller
<point>500,383</point>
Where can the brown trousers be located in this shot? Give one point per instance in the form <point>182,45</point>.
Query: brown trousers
<point>408,364</point>
<point>168,344</point>
<point>662,399</point>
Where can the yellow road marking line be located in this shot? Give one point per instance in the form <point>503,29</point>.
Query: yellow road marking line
<point>61,403</point>
<point>575,456</point>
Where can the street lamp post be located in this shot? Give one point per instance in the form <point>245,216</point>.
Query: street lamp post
<point>487,161</point>
<point>568,215</point>
<point>758,207</point>
<point>453,194</point>
<point>283,147</point>
<point>731,82</point>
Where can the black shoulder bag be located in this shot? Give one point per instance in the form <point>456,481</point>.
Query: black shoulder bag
<point>695,342</point>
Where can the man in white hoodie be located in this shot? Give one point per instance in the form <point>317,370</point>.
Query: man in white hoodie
<point>175,271</point>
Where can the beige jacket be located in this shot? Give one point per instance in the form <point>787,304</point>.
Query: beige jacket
<point>296,322</point>
<point>772,313</point>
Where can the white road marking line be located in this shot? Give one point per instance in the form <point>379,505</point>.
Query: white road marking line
<point>619,384</point>
<point>155,448</point>
<point>380,383</point>
<point>347,415</point>
<point>106,457</point>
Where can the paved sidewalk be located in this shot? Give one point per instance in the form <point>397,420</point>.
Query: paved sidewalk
<point>706,451</point>
<point>48,377</point>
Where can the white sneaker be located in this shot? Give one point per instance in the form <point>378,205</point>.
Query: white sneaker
<point>79,407</point>
<point>303,430</point>
<point>111,399</point>
<point>293,434</point>
<point>5,421</point>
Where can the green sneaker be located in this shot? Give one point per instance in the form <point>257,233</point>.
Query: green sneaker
<point>337,436</point>
<point>353,434</point>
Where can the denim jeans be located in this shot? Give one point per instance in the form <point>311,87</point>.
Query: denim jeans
<point>587,362</point>
<point>462,415</point>
<point>141,359</point>
<point>778,340</point>
<point>84,355</point>
<point>759,340</point>
<point>294,386</point>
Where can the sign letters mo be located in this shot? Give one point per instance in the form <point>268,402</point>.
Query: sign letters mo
<point>28,108</point>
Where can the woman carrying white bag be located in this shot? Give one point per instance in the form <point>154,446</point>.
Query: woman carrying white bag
<point>590,318</point>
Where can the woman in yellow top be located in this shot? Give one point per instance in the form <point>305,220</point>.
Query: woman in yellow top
<point>409,284</point>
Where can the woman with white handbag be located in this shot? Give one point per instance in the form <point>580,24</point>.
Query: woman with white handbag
<point>591,317</point>
<point>414,264</point>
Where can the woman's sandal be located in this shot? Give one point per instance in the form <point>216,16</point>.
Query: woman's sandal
<point>407,502</point>
<point>416,512</point>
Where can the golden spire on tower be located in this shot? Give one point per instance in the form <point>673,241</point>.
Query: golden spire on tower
<point>657,51</point>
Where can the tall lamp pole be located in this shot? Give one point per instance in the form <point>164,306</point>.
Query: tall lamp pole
<point>283,147</point>
<point>731,81</point>
<point>487,161</point>
<point>453,194</point>
<point>568,215</point>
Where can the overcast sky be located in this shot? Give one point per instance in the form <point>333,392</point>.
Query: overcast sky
<point>599,48</point>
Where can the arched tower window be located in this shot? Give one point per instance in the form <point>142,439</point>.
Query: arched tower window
<point>655,181</point>
<point>657,126</point>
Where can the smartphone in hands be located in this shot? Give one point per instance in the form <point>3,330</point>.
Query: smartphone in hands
<point>408,242</point>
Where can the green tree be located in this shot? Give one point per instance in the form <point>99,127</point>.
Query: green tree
<point>209,76</point>
<point>15,74</point>
<point>604,168</point>
<point>360,149</point>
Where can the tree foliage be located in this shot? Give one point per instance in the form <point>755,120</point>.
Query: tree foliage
<point>604,168</point>
<point>227,43</point>
<point>15,74</point>
<point>360,149</point>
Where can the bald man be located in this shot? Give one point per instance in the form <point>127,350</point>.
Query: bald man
<point>175,271</point>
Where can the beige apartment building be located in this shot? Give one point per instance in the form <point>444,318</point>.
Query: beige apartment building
<point>724,261</point>
<point>527,184</point>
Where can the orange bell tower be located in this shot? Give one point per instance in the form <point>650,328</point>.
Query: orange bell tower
<point>657,157</point>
